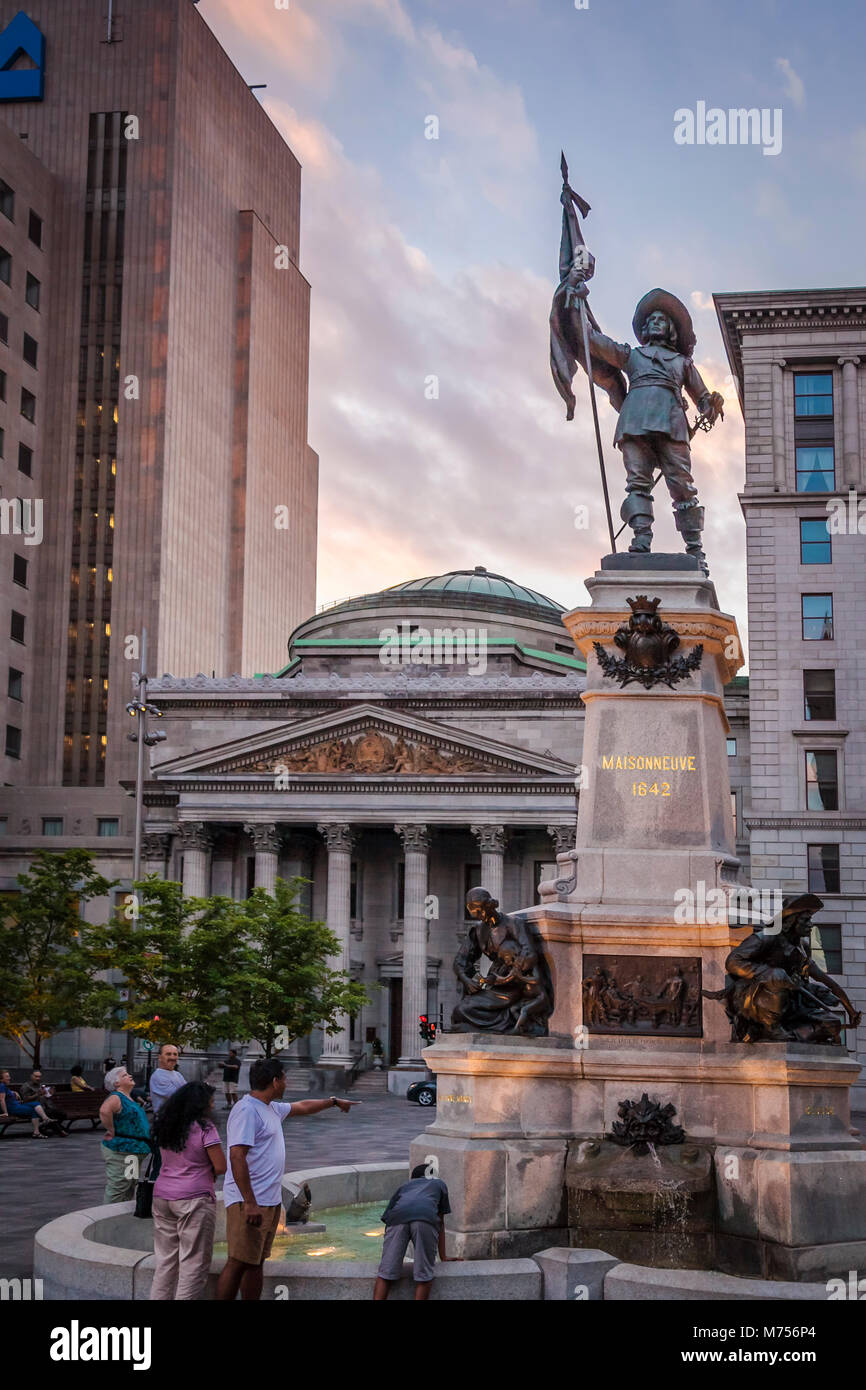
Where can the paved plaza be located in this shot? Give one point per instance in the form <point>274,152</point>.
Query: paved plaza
<point>40,1180</point>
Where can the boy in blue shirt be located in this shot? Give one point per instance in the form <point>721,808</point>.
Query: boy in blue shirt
<point>416,1212</point>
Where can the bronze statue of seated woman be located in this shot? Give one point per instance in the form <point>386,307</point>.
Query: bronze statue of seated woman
<point>516,996</point>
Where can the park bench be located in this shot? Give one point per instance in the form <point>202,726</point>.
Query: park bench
<point>76,1105</point>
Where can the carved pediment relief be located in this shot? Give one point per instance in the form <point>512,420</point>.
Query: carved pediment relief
<point>373,752</point>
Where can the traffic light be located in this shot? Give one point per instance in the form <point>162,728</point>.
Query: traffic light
<point>426,1028</point>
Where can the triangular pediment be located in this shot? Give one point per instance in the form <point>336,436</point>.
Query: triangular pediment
<point>365,741</point>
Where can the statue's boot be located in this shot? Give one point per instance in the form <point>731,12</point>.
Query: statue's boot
<point>690,524</point>
<point>637,511</point>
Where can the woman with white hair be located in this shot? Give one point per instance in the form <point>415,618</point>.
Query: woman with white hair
<point>127,1134</point>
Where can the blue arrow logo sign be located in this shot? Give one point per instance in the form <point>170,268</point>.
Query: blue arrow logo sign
<point>21,38</point>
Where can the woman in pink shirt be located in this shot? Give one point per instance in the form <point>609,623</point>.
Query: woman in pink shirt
<point>184,1205</point>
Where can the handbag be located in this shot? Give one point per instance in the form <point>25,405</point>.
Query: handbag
<point>144,1189</point>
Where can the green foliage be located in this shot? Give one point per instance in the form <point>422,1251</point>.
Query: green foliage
<point>171,952</point>
<point>282,984</point>
<point>203,969</point>
<point>49,972</point>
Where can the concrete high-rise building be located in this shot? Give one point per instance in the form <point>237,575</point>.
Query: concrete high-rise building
<point>797,358</point>
<point>155,333</point>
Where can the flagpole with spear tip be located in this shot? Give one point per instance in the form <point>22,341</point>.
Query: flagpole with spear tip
<point>582,267</point>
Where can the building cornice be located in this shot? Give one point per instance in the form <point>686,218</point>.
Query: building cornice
<point>790,311</point>
<point>825,824</point>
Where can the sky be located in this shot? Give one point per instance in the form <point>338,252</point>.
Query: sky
<point>437,257</point>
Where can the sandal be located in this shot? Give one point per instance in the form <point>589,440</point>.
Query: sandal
<point>39,1136</point>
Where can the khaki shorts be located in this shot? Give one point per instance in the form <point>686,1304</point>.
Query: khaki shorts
<point>230,1087</point>
<point>251,1244</point>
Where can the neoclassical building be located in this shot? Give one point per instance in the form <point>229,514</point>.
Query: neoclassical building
<point>420,740</point>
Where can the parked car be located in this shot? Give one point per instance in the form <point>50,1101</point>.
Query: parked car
<point>422,1092</point>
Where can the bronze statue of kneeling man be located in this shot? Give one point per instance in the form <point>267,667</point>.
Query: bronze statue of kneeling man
<point>517,994</point>
<point>774,991</point>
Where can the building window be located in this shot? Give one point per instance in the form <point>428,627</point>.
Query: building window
<point>816,469</point>
<point>822,780</point>
<point>16,627</point>
<point>108,826</point>
<point>52,825</point>
<point>34,228</point>
<point>400,892</point>
<point>13,741</point>
<point>813,431</point>
<point>823,862</point>
<point>813,395</point>
<point>734,811</point>
<point>2,386</point>
<point>251,875</point>
<point>30,351</point>
<point>32,291</point>
<point>25,460</point>
<point>19,571</point>
<point>819,694</point>
<point>4,824</point>
<point>817,613</point>
<point>353,891</point>
<point>14,689</point>
<point>2,443</point>
<point>827,947</point>
<point>731,747</point>
<point>4,328</point>
<point>28,405</point>
<point>815,544</point>
<point>7,200</point>
<point>5,266</point>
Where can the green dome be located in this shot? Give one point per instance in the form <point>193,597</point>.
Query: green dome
<point>479,583</point>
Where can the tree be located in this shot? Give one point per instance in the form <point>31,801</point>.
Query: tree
<point>172,952</point>
<point>49,973</point>
<point>280,985</point>
<point>203,969</point>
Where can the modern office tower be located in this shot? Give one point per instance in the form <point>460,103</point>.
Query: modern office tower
<point>155,333</point>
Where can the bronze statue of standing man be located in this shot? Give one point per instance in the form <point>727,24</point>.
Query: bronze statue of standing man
<point>653,430</point>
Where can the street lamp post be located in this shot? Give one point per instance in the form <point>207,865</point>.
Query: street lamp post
<point>139,709</point>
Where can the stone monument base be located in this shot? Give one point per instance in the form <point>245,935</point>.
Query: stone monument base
<point>788,1176</point>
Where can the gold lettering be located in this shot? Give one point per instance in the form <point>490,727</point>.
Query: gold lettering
<point>607,760</point>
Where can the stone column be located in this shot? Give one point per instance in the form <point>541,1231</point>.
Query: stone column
<point>563,837</point>
<point>266,842</point>
<point>339,840</point>
<point>155,849</point>
<point>850,422</point>
<point>195,840</point>
<point>779,423</point>
<point>416,846</point>
<point>491,841</point>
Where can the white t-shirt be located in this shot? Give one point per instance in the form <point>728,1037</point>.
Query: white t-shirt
<point>260,1126</point>
<point>164,1083</point>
